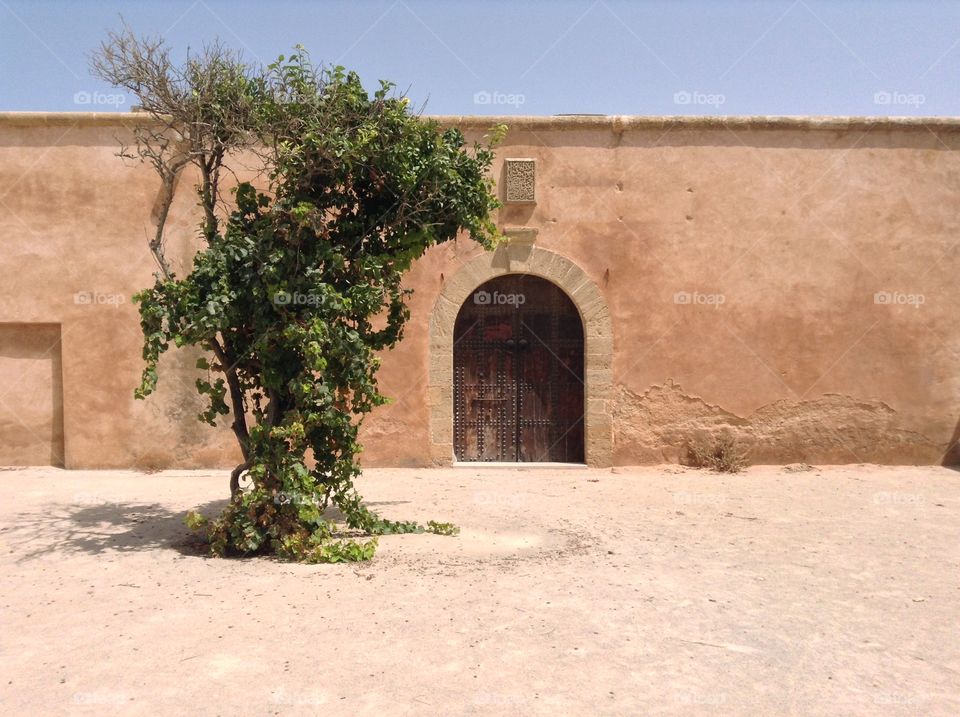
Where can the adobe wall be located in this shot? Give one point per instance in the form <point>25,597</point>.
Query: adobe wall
<point>791,281</point>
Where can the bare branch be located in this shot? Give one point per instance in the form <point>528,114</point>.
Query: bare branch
<point>195,113</point>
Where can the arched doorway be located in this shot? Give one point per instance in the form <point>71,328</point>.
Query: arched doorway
<point>518,381</point>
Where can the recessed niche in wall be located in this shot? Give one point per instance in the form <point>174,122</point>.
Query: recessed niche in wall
<point>31,395</point>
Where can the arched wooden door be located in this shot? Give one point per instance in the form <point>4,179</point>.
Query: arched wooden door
<point>518,374</point>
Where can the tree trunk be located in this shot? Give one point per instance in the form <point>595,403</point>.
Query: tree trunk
<point>239,425</point>
<point>235,478</point>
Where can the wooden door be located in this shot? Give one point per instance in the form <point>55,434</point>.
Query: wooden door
<point>518,374</point>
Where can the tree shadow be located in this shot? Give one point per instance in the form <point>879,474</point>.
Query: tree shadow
<point>113,527</point>
<point>104,527</point>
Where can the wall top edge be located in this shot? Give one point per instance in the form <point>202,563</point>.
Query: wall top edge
<point>616,123</point>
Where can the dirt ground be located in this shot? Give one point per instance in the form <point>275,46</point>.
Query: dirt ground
<point>645,591</point>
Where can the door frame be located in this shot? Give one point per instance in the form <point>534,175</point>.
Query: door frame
<point>520,258</point>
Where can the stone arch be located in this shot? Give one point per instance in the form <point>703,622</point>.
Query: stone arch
<point>598,343</point>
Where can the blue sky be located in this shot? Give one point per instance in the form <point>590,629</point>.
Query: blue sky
<point>839,57</point>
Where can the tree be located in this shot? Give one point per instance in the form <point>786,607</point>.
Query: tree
<point>298,284</point>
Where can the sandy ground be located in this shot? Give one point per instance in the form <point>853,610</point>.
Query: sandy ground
<point>570,591</point>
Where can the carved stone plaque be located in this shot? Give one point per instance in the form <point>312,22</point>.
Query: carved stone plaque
<point>520,182</point>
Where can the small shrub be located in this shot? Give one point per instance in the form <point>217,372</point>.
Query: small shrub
<point>718,453</point>
<point>195,521</point>
<point>320,548</point>
<point>322,541</point>
<point>442,528</point>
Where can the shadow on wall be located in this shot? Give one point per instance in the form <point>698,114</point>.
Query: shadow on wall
<point>951,459</point>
